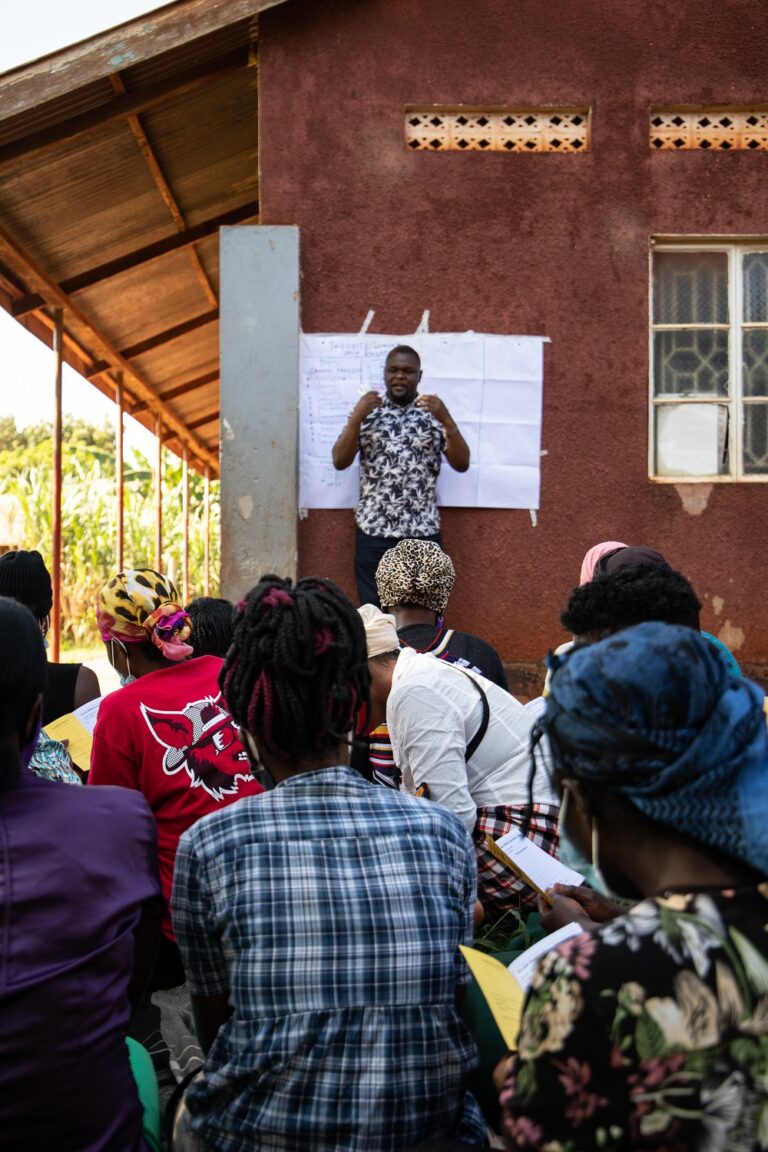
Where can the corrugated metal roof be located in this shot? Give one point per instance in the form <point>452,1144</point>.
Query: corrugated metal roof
<point>158,137</point>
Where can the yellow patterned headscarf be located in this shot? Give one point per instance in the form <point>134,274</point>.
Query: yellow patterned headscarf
<point>140,605</point>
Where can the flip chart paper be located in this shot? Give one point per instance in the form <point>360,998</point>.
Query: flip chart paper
<point>492,386</point>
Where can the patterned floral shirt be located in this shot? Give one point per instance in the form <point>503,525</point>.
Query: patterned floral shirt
<point>400,456</point>
<point>649,1032</point>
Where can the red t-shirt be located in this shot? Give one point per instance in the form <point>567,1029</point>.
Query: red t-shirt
<point>168,735</point>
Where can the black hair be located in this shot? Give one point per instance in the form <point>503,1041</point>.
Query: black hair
<point>22,680</point>
<point>213,622</point>
<point>631,596</point>
<point>296,674</point>
<point>404,349</point>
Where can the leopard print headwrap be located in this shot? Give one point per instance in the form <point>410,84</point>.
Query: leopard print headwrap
<point>415,572</point>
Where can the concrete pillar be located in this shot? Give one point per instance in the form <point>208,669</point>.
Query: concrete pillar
<point>260,329</point>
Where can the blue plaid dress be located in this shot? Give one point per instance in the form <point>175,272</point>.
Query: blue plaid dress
<point>330,911</point>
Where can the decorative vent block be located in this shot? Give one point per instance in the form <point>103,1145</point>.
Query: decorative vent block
<point>458,129</point>
<point>715,129</point>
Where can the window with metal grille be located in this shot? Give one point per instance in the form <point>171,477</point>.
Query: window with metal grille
<point>461,129</point>
<point>709,362</point>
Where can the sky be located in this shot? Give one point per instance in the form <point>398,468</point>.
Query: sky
<point>29,30</point>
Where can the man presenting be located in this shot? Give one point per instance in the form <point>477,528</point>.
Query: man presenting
<point>401,438</point>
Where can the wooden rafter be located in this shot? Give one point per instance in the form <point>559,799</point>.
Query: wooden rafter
<point>201,421</point>
<point>54,297</point>
<point>180,390</point>
<point>156,341</point>
<point>121,107</point>
<point>165,190</point>
<point>32,301</point>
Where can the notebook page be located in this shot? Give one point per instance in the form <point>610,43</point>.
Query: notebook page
<point>534,863</point>
<point>524,966</point>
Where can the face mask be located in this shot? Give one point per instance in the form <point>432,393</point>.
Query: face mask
<point>129,679</point>
<point>26,753</point>
<point>572,858</point>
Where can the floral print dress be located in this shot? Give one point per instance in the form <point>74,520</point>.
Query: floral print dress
<point>650,1031</point>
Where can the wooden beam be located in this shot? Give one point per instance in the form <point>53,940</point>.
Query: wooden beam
<point>120,474</point>
<point>58,349</point>
<point>180,390</point>
<point>166,192</point>
<point>140,388</point>
<point>158,470</point>
<point>144,255</point>
<point>157,340</point>
<point>132,103</point>
<point>131,43</point>
<point>207,533</point>
<point>201,421</point>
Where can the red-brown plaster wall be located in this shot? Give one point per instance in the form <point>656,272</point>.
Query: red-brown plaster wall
<point>541,244</point>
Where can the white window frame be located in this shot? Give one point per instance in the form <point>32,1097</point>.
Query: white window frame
<point>735,401</point>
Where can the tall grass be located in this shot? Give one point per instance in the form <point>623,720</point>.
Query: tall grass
<point>89,524</point>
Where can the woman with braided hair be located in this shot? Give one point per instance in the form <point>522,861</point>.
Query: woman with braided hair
<point>319,923</point>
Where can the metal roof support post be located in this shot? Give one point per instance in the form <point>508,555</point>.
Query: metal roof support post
<point>58,350</point>
<point>119,477</point>
<point>159,498</point>
<point>207,532</point>
<point>185,504</point>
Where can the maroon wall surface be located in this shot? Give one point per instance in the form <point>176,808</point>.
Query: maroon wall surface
<point>544,244</point>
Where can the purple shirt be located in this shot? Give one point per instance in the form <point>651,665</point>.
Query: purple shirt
<point>78,866</point>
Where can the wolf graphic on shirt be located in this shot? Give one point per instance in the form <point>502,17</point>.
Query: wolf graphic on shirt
<point>204,740</point>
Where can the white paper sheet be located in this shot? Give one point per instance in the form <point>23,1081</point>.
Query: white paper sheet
<point>524,966</point>
<point>492,386</point>
<point>543,869</point>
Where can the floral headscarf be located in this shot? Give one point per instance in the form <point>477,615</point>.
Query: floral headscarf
<point>140,605</point>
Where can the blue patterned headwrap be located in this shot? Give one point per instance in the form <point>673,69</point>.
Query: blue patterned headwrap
<point>653,715</point>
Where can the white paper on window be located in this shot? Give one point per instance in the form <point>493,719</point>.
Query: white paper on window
<point>492,386</point>
<point>688,439</point>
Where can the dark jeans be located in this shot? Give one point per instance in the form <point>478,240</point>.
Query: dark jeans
<point>368,551</point>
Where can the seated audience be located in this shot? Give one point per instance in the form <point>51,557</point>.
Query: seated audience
<point>414,581</point>
<point>24,577</point>
<point>463,742</point>
<point>320,922</point>
<point>649,1030</point>
<point>165,733</point>
<point>213,622</point>
<point>81,914</point>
